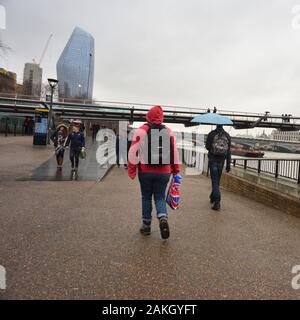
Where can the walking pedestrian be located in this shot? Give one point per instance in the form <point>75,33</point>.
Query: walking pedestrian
<point>76,141</point>
<point>26,126</point>
<point>58,138</point>
<point>31,126</point>
<point>218,144</point>
<point>155,164</point>
<point>95,129</point>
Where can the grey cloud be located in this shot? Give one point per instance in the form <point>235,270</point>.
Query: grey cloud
<point>236,54</point>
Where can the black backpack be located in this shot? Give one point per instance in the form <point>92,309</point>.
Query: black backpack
<point>220,144</point>
<point>158,147</point>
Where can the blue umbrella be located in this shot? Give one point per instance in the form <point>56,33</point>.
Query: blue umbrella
<point>213,118</point>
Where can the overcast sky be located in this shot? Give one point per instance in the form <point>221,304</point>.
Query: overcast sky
<point>235,54</point>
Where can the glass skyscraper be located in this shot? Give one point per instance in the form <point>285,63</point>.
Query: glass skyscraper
<point>75,67</point>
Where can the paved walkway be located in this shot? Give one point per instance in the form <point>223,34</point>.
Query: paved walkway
<point>80,239</point>
<point>90,169</point>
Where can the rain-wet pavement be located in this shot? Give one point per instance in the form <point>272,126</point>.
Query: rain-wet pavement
<point>89,168</point>
<point>80,239</point>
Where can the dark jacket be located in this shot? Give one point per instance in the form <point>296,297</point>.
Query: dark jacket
<point>76,141</point>
<point>208,145</point>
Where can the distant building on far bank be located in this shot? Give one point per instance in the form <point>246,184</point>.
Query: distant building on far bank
<point>75,67</point>
<point>8,81</point>
<point>293,136</point>
<point>32,79</point>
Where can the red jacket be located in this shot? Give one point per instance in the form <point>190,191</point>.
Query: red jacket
<point>155,115</point>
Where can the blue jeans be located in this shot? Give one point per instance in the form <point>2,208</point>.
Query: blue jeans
<point>153,184</point>
<point>215,169</point>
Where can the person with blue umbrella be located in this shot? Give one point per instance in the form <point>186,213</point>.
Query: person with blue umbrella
<point>218,144</point>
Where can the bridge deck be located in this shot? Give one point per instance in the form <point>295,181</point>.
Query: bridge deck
<point>121,111</point>
<point>72,239</point>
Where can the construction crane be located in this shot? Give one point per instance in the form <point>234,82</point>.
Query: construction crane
<point>44,51</point>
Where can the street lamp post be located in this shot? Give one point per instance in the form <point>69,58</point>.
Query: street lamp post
<point>53,84</point>
<point>88,84</point>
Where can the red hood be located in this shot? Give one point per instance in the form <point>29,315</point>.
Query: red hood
<point>155,115</point>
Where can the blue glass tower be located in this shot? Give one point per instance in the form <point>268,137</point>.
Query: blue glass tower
<point>75,67</point>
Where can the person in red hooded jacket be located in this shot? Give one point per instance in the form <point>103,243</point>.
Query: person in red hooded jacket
<point>153,178</point>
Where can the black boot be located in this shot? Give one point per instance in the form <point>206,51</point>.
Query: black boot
<point>164,227</point>
<point>216,206</point>
<point>145,229</point>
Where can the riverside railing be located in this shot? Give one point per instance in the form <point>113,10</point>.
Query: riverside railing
<point>285,168</point>
<point>193,157</point>
<point>196,157</point>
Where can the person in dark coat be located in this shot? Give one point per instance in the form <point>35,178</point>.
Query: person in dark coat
<point>95,129</point>
<point>26,126</point>
<point>76,141</point>
<point>218,144</point>
<point>31,126</point>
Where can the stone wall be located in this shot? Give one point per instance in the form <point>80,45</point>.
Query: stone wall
<point>273,198</point>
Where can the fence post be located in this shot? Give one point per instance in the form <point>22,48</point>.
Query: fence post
<point>299,172</point>
<point>245,164</point>
<point>276,168</point>
<point>259,166</point>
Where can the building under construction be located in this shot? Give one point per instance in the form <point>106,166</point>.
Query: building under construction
<point>8,81</point>
<point>32,80</point>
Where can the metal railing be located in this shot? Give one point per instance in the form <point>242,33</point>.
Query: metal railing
<point>193,157</point>
<point>285,168</point>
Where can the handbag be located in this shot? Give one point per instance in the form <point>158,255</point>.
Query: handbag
<point>173,195</point>
<point>82,153</point>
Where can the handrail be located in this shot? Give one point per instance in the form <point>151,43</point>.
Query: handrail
<point>286,168</point>
<point>264,158</point>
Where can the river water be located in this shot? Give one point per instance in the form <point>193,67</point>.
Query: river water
<point>268,154</point>
<point>280,155</point>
